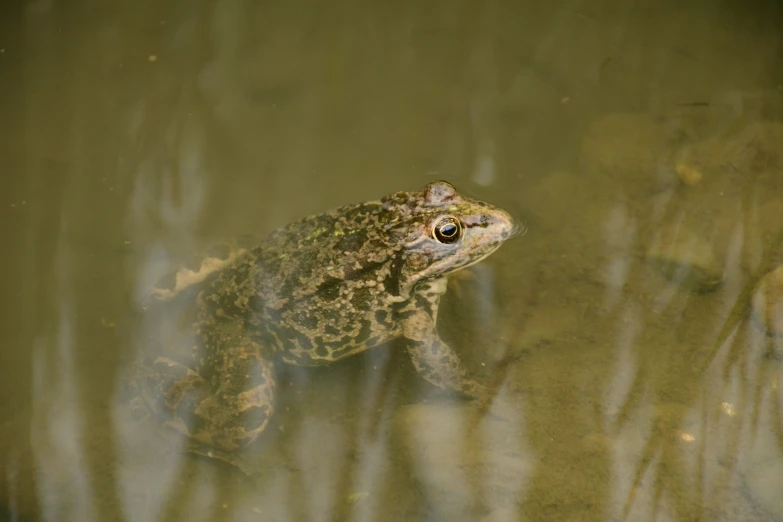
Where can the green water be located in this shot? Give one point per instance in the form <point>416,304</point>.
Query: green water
<point>138,132</point>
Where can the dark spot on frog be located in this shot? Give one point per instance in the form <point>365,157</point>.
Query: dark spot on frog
<point>422,302</point>
<point>362,299</point>
<point>292,339</point>
<point>352,241</point>
<point>405,314</point>
<point>367,268</point>
<point>331,330</point>
<point>481,221</point>
<point>364,333</point>
<point>391,283</point>
<point>329,290</point>
<point>322,348</point>
<point>381,317</point>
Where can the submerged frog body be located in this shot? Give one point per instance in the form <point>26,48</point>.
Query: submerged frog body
<point>316,291</point>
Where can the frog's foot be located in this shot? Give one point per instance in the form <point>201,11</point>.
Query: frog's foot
<point>226,414</point>
<point>435,360</point>
<point>440,365</point>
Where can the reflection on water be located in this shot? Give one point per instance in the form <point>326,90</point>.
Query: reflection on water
<point>631,330</point>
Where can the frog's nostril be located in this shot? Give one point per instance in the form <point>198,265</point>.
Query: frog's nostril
<point>504,223</point>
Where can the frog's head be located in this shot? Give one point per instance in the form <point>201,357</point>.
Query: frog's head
<point>442,232</point>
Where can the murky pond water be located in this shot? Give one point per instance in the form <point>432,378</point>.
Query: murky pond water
<point>632,337</point>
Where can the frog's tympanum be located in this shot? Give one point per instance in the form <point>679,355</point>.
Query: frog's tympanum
<point>314,292</point>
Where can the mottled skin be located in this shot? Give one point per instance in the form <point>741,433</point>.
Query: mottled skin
<point>316,291</point>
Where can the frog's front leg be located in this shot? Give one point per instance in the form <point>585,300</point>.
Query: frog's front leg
<point>225,405</point>
<point>433,359</point>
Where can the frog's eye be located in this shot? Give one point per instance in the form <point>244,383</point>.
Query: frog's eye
<point>447,230</point>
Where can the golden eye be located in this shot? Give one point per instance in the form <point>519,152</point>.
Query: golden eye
<point>447,230</point>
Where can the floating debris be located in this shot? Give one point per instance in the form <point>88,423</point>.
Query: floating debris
<point>688,173</point>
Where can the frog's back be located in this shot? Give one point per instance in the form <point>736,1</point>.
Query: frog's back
<point>324,284</point>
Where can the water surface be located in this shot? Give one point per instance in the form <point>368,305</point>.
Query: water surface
<point>627,135</point>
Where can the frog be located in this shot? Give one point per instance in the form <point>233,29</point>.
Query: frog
<point>319,290</point>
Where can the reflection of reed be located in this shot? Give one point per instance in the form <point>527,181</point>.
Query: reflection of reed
<point>742,304</point>
<point>695,451</point>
